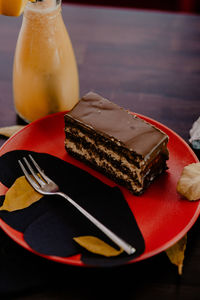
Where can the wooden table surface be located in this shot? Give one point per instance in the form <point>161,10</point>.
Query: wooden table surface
<point>146,62</point>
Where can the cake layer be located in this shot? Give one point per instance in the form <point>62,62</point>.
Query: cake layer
<point>133,180</point>
<point>117,143</point>
<point>80,132</point>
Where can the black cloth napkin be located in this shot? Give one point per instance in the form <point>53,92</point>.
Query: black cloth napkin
<point>50,224</point>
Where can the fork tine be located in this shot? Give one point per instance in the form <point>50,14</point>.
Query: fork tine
<point>37,178</point>
<point>28,177</point>
<point>39,169</point>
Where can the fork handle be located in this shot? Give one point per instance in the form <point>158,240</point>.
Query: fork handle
<point>117,240</point>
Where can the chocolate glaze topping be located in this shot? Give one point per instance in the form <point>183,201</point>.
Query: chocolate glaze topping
<point>111,120</point>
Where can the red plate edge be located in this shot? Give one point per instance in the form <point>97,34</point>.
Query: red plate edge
<point>75,260</point>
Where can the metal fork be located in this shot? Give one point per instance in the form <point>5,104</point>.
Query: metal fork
<point>45,186</point>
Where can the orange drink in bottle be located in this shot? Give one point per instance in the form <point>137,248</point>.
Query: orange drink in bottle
<point>45,76</point>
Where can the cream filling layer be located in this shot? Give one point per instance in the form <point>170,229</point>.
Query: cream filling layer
<point>102,163</point>
<point>115,156</point>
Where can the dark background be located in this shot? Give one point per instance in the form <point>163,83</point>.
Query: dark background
<point>188,6</point>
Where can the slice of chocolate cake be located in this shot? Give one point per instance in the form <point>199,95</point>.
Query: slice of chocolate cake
<point>115,142</point>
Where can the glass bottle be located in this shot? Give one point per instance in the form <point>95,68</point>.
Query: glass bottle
<point>45,76</point>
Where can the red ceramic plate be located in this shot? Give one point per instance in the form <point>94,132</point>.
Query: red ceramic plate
<point>162,215</point>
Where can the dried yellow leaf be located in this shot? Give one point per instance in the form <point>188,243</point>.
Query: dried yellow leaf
<point>20,195</point>
<point>10,130</point>
<point>97,246</point>
<point>189,183</point>
<point>176,253</point>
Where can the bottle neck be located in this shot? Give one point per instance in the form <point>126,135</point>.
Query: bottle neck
<point>42,9</point>
<point>43,5</point>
